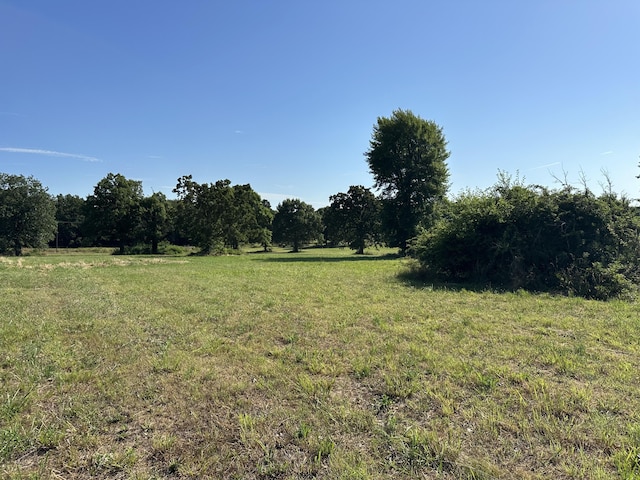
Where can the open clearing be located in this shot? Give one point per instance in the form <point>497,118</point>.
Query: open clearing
<point>320,364</point>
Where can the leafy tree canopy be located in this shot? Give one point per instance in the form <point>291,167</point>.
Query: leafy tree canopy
<point>353,217</point>
<point>27,213</point>
<point>407,156</point>
<point>296,222</point>
<point>70,211</point>
<point>113,212</point>
<point>155,219</point>
<point>219,214</point>
<point>201,211</point>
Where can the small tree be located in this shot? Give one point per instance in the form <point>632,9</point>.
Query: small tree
<point>27,214</point>
<point>354,217</point>
<point>407,157</point>
<point>296,222</point>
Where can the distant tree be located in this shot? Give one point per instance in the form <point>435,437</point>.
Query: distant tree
<point>296,222</point>
<point>113,212</point>
<point>329,232</point>
<point>27,214</point>
<point>155,219</point>
<point>70,218</point>
<point>216,215</point>
<point>354,217</point>
<point>205,212</point>
<point>248,220</point>
<point>407,157</point>
<point>175,234</point>
<point>262,234</point>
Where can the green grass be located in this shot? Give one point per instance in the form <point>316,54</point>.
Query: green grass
<point>320,364</point>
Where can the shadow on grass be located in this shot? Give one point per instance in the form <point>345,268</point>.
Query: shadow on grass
<point>415,278</point>
<point>290,257</point>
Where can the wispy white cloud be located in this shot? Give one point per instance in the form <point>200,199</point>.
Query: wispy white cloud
<point>608,152</point>
<point>545,166</point>
<point>49,153</point>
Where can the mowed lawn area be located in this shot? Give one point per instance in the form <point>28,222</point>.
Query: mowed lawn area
<point>321,364</point>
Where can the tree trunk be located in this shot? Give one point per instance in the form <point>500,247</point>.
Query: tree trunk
<point>17,248</point>
<point>154,246</point>
<point>404,246</point>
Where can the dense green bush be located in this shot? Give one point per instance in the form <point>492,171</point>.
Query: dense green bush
<point>518,236</point>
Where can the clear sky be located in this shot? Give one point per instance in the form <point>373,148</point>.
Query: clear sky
<point>283,94</point>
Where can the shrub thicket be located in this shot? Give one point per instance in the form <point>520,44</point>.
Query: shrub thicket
<point>530,237</point>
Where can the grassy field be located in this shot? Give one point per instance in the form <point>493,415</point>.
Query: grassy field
<point>312,365</point>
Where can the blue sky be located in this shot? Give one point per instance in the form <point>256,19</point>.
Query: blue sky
<point>284,94</point>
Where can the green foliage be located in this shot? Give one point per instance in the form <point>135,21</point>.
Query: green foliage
<point>353,217</point>
<point>521,236</point>
<point>163,248</point>
<point>27,214</point>
<point>70,218</point>
<point>263,234</point>
<point>407,157</point>
<point>216,215</point>
<point>326,446</point>
<point>155,219</point>
<point>113,212</point>
<point>201,212</point>
<point>252,218</point>
<point>296,222</point>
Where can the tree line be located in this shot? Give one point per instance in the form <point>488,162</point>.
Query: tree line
<point>511,235</point>
<point>214,217</point>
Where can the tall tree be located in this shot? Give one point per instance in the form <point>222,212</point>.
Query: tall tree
<point>296,222</point>
<point>113,212</point>
<point>27,213</point>
<point>263,234</point>
<point>175,234</point>
<point>252,217</point>
<point>204,212</point>
<point>329,229</point>
<point>247,222</point>
<point>354,217</point>
<point>155,219</point>
<point>407,156</point>
<point>70,217</point>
